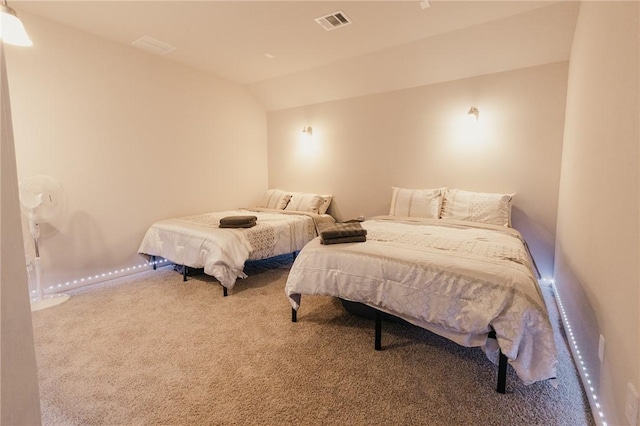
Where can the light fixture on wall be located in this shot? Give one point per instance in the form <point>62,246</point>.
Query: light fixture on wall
<point>474,113</point>
<point>308,145</point>
<point>307,131</point>
<point>11,29</point>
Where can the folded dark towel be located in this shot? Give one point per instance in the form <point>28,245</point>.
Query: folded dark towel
<point>238,221</point>
<point>238,225</point>
<point>340,240</point>
<point>340,230</point>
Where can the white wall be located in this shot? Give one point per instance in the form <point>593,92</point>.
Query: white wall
<point>597,245</point>
<point>417,138</point>
<point>132,137</point>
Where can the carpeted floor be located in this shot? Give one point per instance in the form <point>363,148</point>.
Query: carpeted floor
<point>153,350</point>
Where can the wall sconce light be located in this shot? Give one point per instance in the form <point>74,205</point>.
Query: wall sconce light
<point>307,131</point>
<point>474,113</point>
<point>11,29</point>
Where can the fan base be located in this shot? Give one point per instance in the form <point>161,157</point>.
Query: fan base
<point>49,301</point>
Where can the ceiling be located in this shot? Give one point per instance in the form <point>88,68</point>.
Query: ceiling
<point>231,39</point>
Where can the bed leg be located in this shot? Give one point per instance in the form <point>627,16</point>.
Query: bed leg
<point>153,262</point>
<point>503,361</point>
<point>378,339</point>
<point>184,272</point>
<point>502,373</point>
<point>294,315</point>
<point>224,291</point>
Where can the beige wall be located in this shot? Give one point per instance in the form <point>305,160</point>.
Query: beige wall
<point>500,45</point>
<point>597,250</point>
<point>417,138</point>
<point>132,137</point>
<point>19,398</point>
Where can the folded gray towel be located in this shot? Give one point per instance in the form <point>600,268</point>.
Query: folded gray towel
<point>238,220</point>
<point>237,225</point>
<point>341,230</point>
<point>341,240</point>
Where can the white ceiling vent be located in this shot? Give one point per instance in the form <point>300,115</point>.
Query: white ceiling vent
<point>333,20</point>
<point>154,46</point>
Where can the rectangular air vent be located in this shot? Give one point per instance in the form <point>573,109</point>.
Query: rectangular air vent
<point>152,45</point>
<point>333,20</point>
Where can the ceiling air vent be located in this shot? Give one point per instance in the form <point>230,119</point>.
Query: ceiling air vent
<point>333,20</point>
<point>152,45</point>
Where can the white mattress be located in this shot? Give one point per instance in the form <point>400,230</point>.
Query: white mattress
<point>454,278</point>
<point>198,242</point>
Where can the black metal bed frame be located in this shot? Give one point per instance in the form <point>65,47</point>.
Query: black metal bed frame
<point>225,291</point>
<point>502,363</point>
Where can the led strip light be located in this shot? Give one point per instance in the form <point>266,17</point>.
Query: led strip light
<point>107,275</point>
<point>582,368</point>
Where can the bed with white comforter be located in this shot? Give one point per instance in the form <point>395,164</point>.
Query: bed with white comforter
<point>198,241</point>
<point>458,279</point>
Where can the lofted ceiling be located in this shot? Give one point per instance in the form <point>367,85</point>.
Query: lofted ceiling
<point>249,42</point>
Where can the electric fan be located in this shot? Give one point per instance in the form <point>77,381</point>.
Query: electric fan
<point>41,199</point>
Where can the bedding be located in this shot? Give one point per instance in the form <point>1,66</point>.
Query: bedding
<point>416,202</point>
<point>461,280</point>
<point>326,202</point>
<point>238,221</point>
<point>338,233</point>
<point>482,207</point>
<point>199,242</point>
<point>305,202</point>
<point>275,199</point>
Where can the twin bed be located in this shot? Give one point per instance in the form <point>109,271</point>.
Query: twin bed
<point>444,260</point>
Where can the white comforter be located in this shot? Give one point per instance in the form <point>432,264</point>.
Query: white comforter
<point>454,278</point>
<point>198,242</point>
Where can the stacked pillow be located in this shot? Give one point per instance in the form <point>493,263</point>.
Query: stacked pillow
<point>305,202</point>
<point>483,207</point>
<point>275,199</point>
<point>446,203</point>
<point>425,203</point>
<point>325,204</point>
<point>296,201</point>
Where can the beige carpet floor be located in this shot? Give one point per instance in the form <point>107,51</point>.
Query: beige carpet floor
<point>153,350</point>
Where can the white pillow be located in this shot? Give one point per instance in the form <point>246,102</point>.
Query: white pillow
<point>275,199</point>
<point>424,203</point>
<point>325,204</point>
<point>305,202</point>
<point>481,207</point>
